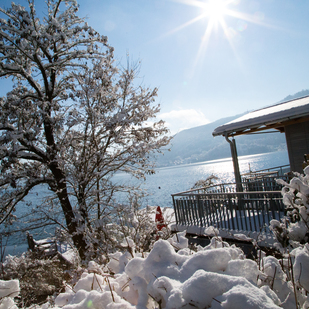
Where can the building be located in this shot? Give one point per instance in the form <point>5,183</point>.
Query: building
<point>290,117</point>
<point>247,206</point>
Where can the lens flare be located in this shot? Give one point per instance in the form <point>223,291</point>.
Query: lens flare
<point>241,25</point>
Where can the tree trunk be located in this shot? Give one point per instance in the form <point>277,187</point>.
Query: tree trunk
<point>67,209</point>
<point>71,221</point>
<point>62,192</point>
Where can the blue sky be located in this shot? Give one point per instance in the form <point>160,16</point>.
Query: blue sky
<point>255,54</point>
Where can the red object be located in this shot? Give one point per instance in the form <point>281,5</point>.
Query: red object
<point>159,219</point>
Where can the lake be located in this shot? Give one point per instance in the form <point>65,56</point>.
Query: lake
<point>174,179</point>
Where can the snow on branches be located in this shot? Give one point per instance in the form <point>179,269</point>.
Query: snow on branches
<point>294,228</point>
<point>73,118</point>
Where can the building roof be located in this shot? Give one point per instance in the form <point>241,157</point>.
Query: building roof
<point>273,117</point>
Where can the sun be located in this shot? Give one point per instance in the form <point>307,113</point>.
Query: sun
<point>215,10</point>
<point>218,15</point>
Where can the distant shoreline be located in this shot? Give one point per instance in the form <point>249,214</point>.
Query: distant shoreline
<point>216,160</point>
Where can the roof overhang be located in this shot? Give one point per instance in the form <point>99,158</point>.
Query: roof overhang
<point>273,117</point>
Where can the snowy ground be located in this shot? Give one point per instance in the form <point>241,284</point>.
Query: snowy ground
<point>173,276</point>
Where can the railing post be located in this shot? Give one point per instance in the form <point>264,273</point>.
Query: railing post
<point>271,206</point>
<point>199,210</point>
<point>231,210</point>
<point>175,210</point>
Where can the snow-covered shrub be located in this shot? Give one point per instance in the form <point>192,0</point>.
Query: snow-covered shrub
<point>205,183</point>
<point>213,277</point>
<point>300,260</point>
<point>294,228</point>
<point>216,276</point>
<point>179,240</point>
<point>124,226</point>
<point>36,278</point>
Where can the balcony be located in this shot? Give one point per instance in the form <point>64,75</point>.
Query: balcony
<point>249,211</point>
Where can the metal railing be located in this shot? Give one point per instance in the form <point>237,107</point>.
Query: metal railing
<point>265,180</point>
<point>221,206</point>
<point>249,184</point>
<point>242,211</point>
<point>279,170</point>
<point>262,183</point>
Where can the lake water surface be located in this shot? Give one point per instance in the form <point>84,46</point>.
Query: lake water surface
<point>174,179</point>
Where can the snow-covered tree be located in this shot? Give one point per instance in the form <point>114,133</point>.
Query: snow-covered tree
<point>73,118</point>
<point>293,229</point>
<point>204,184</point>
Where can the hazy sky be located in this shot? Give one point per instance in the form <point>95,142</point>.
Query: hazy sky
<point>245,55</point>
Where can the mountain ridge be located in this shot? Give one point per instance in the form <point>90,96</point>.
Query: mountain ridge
<point>197,144</point>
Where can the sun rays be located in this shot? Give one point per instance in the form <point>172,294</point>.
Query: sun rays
<point>218,14</point>
<point>215,11</point>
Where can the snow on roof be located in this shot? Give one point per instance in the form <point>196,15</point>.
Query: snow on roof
<point>265,117</point>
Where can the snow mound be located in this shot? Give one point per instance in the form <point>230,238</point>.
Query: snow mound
<point>217,276</point>
<point>8,290</point>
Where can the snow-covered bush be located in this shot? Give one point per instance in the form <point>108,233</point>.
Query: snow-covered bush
<point>126,225</point>
<point>205,183</point>
<point>216,276</point>
<point>294,228</point>
<point>37,279</point>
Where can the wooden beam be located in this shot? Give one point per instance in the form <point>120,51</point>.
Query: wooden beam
<point>263,127</point>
